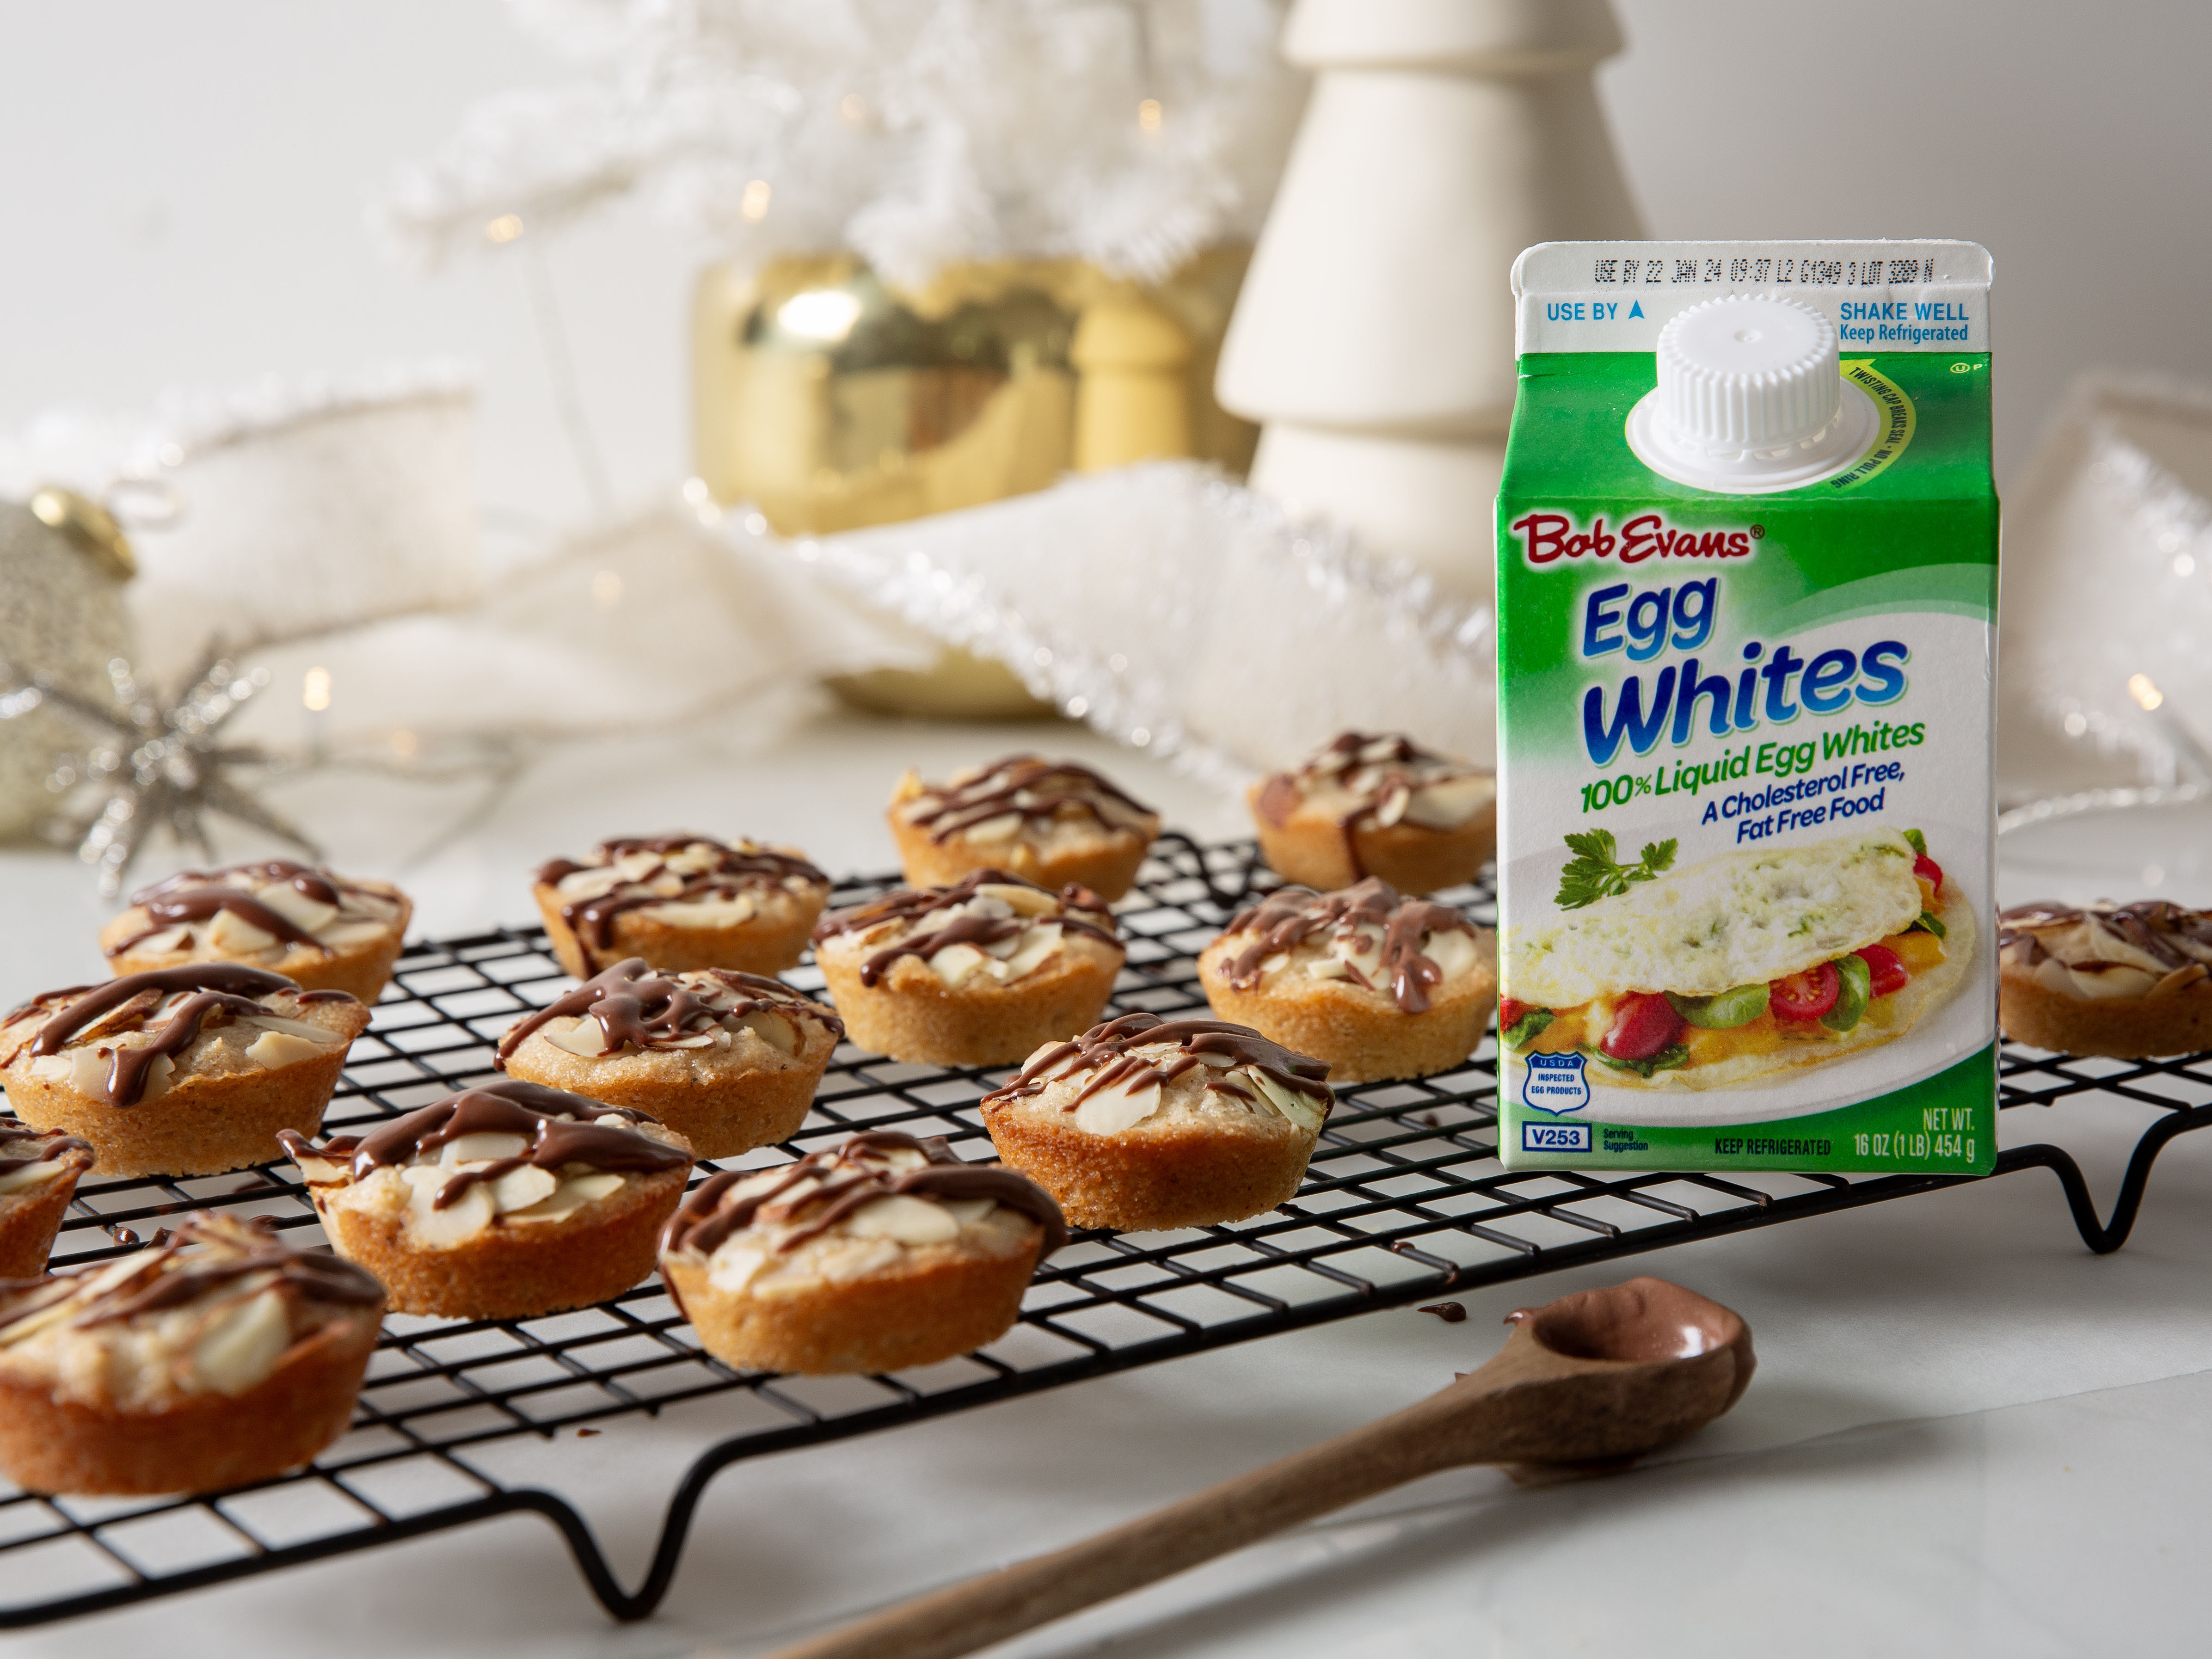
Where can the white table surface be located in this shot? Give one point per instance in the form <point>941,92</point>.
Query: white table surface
<point>1967,1435</point>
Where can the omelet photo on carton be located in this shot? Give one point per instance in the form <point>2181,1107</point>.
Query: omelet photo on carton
<point>1747,581</point>
<point>1749,964</point>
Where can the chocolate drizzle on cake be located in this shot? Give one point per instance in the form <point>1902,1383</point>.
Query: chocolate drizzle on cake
<point>735,870</point>
<point>558,1128</point>
<point>1036,789</point>
<point>638,1008</point>
<point>2150,926</point>
<point>219,991</point>
<point>825,1188</point>
<point>194,895</point>
<point>1108,1052</point>
<point>204,1254</point>
<point>1290,915</point>
<point>51,1143</point>
<point>1080,911</point>
<point>1382,772</point>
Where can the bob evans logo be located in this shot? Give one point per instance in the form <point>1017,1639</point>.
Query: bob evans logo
<point>1546,537</point>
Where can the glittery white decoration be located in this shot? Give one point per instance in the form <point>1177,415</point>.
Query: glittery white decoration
<point>917,132</point>
<point>277,509</point>
<point>2108,593</point>
<point>1179,612</point>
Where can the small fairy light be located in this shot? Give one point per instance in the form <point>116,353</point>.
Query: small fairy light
<point>1150,115</point>
<point>2183,565</point>
<point>403,745</point>
<point>2076,724</point>
<point>756,524</point>
<point>754,203</point>
<point>505,229</point>
<point>2141,688</point>
<point>606,590</point>
<point>315,690</point>
<point>853,108</point>
<point>695,490</point>
<point>1078,707</point>
<point>1139,737</point>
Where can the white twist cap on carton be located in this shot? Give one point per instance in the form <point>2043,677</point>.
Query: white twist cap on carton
<point>1747,373</point>
<point>1750,399</point>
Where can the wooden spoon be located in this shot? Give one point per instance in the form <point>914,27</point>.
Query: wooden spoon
<point>1585,1383</point>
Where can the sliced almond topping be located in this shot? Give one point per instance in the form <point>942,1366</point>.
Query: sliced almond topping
<point>730,912</point>
<point>902,1216</point>
<point>226,931</point>
<point>955,963</point>
<point>1447,804</point>
<point>1113,1109</point>
<point>1301,1109</point>
<point>308,914</point>
<point>774,1029</point>
<point>243,1345</point>
<point>1004,826</point>
<point>482,1148</point>
<point>573,1193</point>
<point>733,1267</point>
<point>1037,946</point>
<point>275,1048</point>
<point>582,1037</point>
<point>518,1189</point>
<point>1454,952</point>
<point>432,1229</point>
<point>31,1175</point>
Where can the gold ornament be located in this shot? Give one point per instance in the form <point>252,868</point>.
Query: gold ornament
<point>88,526</point>
<point>831,401</point>
<point>63,564</point>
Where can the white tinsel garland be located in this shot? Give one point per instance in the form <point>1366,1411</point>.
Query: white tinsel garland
<point>1132,133</point>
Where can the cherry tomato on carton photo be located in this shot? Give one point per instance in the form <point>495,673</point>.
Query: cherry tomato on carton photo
<point>1644,1022</point>
<point>1885,969</point>
<point>1929,871</point>
<point>1808,995</point>
<point>1509,1013</point>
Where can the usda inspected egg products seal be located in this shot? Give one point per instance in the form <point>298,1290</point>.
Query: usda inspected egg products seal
<point>1746,578</point>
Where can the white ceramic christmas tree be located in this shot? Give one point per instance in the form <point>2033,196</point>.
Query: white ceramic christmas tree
<point>1373,338</point>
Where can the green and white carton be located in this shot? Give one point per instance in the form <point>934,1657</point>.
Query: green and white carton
<point>1746,587</point>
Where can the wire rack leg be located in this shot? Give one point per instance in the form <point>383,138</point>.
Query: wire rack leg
<point>2105,1237</point>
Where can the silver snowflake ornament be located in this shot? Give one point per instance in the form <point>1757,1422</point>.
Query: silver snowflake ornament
<point>151,766</point>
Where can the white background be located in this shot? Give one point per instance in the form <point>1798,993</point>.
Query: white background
<point>1968,1434</point>
<point>182,187</point>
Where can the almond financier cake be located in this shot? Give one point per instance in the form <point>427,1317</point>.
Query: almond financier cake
<point>215,1356</point>
<point>729,1060</point>
<point>1376,984</point>
<point>1050,821</point>
<point>1143,1123</point>
<point>883,1252</point>
<point>1377,805</point>
<point>2121,980</point>
<point>189,1070</point>
<point>501,1201</point>
<point>323,932</point>
<point>39,1172</point>
<point>680,901</point>
<point>975,974</point>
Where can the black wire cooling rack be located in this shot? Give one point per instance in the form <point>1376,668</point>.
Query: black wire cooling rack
<point>1404,1199</point>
